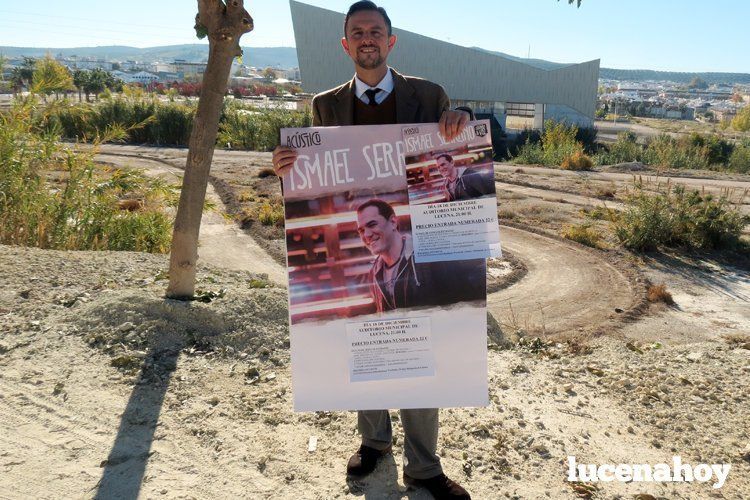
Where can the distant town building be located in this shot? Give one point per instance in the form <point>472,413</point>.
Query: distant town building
<point>133,66</point>
<point>292,74</point>
<point>189,68</point>
<point>141,77</point>
<point>73,63</point>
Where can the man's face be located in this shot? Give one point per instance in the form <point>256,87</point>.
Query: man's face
<point>367,41</point>
<point>376,232</point>
<point>446,167</point>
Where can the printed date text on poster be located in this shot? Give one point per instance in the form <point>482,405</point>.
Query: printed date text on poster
<point>390,349</point>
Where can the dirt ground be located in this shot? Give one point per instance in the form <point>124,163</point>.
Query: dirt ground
<point>111,391</point>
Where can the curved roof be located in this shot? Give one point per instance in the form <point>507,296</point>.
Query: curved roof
<point>465,73</point>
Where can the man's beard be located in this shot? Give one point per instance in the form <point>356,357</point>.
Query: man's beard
<point>363,61</point>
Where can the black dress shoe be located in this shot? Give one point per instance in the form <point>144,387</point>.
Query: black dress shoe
<point>440,486</point>
<point>364,461</point>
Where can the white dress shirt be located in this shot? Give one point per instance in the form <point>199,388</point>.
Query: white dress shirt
<point>385,86</point>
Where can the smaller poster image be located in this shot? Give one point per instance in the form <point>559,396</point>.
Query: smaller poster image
<point>451,189</point>
<point>451,174</point>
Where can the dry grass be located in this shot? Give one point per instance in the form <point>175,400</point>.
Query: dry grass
<point>738,340</point>
<point>608,192</point>
<point>246,196</point>
<point>577,343</point>
<point>584,234</point>
<point>578,161</point>
<point>266,172</point>
<point>659,293</point>
<point>271,214</point>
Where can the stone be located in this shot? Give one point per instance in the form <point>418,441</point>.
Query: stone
<point>125,327</point>
<point>694,356</point>
<point>542,450</point>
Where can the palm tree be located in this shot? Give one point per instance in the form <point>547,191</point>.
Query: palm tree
<point>80,78</point>
<point>22,75</point>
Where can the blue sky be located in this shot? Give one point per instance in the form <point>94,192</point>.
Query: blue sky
<point>688,35</point>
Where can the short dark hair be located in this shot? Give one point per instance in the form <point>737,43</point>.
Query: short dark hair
<point>384,208</point>
<point>367,5</point>
<point>444,155</point>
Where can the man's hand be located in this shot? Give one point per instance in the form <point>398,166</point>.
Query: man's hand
<point>452,123</point>
<point>283,159</point>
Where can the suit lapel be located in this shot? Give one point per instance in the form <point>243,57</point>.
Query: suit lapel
<point>407,104</point>
<point>344,110</point>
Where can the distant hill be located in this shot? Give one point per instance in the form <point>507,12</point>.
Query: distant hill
<point>280,57</point>
<point>537,63</point>
<point>635,74</point>
<point>672,76</point>
<point>286,57</point>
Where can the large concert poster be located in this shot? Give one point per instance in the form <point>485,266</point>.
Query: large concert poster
<point>372,326</point>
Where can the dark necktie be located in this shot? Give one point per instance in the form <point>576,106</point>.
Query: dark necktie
<point>371,96</point>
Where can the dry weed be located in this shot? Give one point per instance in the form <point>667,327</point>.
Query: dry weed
<point>266,172</point>
<point>606,192</point>
<point>659,293</point>
<point>576,343</point>
<point>582,233</point>
<point>738,340</point>
<point>578,161</point>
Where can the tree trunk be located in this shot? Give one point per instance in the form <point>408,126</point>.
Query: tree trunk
<point>225,24</point>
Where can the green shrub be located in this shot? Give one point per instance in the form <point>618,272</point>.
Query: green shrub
<point>530,154</point>
<point>578,161</point>
<point>624,150</point>
<point>666,151</point>
<point>257,130</point>
<point>739,160</point>
<point>582,233</point>
<point>643,223</point>
<point>704,221</point>
<point>587,137</point>
<point>54,197</point>
<point>716,149</point>
<point>678,218</point>
<point>558,142</point>
<point>526,136</point>
<point>172,124</point>
<point>741,122</point>
<point>145,120</point>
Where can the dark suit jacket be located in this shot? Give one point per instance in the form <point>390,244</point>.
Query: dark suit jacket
<point>473,185</point>
<point>417,101</point>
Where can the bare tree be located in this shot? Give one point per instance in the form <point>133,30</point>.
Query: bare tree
<point>224,22</point>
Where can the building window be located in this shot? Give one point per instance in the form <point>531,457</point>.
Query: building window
<point>519,115</point>
<point>520,109</point>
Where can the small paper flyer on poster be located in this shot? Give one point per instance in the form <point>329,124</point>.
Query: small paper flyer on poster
<point>370,326</point>
<point>451,193</point>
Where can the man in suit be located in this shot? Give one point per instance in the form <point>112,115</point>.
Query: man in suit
<point>462,184</point>
<point>379,95</point>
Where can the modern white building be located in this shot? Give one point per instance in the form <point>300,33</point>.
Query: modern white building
<point>519,93</point>
<point>74,63</point>
<point>141,77</point>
